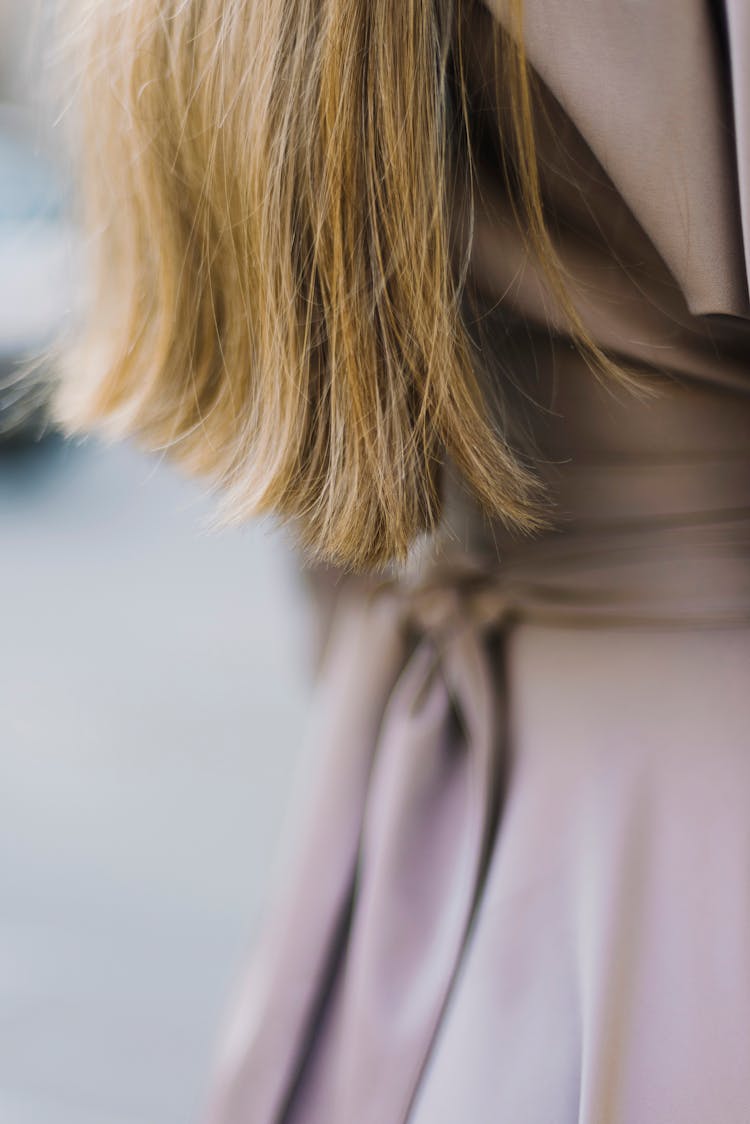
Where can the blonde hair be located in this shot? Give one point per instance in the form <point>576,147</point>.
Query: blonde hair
<point>272,188</point>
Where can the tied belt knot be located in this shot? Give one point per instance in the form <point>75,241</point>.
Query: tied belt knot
<point>392,830</point>
<point>397,815</point>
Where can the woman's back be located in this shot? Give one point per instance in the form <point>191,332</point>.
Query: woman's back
<point>535,814</point>
<point>518,885</point>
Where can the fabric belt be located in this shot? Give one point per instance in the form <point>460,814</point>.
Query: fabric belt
<point>366,935</point>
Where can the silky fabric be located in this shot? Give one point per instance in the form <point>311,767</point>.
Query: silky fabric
<point>517,884</point>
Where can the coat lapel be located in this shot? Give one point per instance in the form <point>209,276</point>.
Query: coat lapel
<point>644,81</point>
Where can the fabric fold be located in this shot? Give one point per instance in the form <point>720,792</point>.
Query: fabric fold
<point>427,826</point>
<point>390,854</point>
<point>278,1003</point>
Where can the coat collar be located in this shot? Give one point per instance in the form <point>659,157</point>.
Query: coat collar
<point>648,87</point>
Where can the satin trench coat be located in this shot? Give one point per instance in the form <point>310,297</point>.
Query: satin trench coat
<point>516,888</point>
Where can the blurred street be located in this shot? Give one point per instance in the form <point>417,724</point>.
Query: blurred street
<point>153,689</point>
<point>152,697</point>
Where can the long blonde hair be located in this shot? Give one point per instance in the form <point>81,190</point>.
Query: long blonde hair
<point>271,187</point>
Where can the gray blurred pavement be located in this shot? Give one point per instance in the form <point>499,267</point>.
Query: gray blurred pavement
<point>153,687</point>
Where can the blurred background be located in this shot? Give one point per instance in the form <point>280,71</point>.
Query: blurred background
<point>153,687</point>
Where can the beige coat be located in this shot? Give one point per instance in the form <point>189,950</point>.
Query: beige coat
<point>519,891</point>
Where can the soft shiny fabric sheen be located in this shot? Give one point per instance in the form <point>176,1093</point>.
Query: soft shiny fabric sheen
<point>519,884</point>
